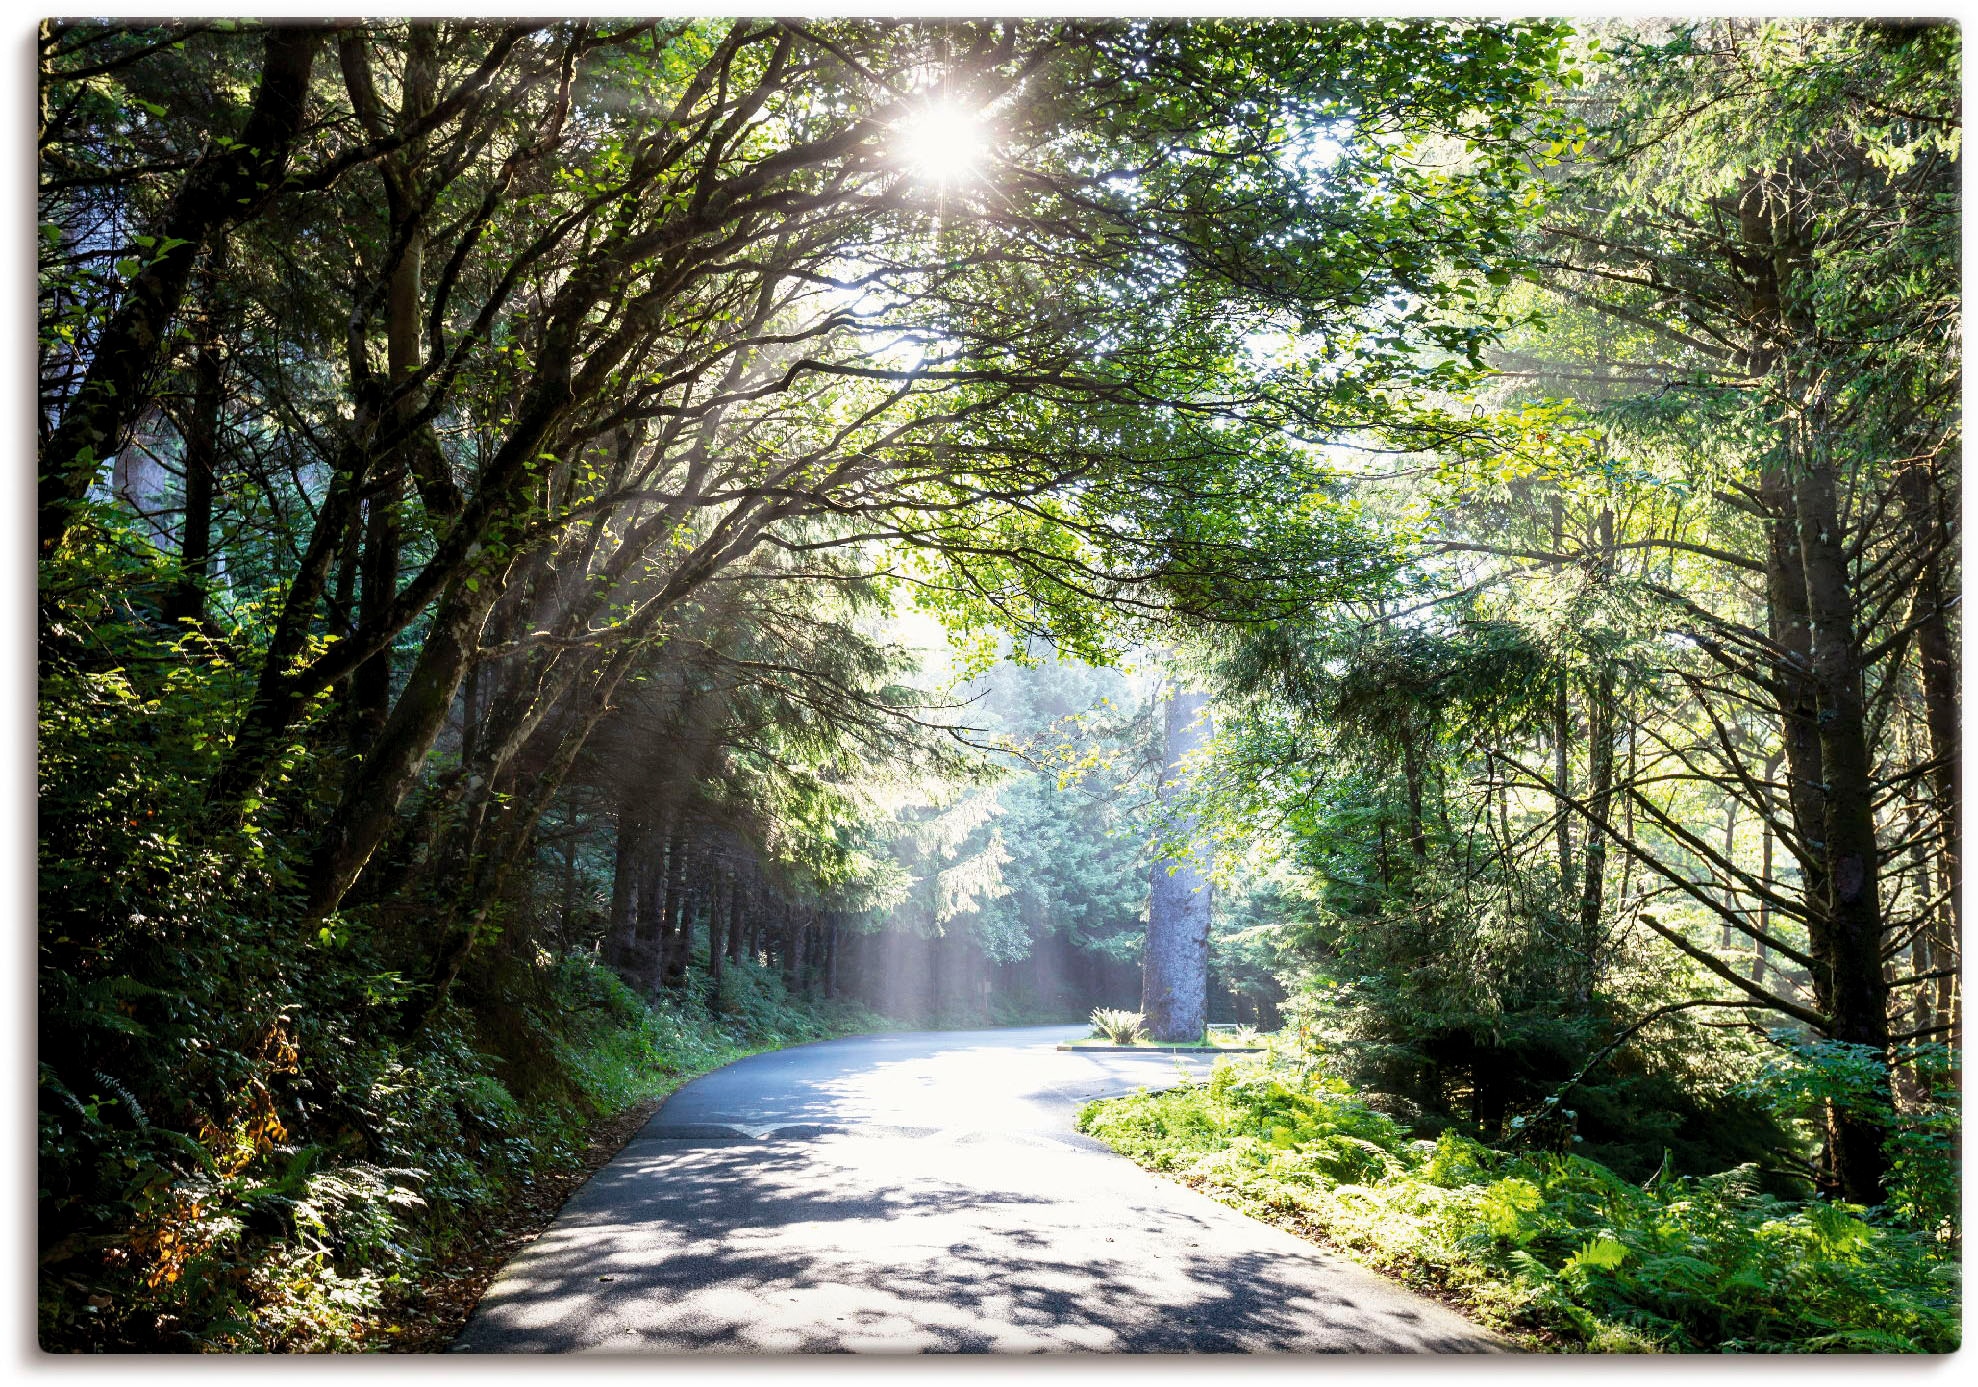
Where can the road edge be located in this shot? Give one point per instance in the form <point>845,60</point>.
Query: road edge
<point>432,1315</point>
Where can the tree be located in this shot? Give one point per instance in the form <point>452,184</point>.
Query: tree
<point>1754,279</point>
<point>1687,520</point>
<point>537,414</point>
<point>648,354</point>
<point>1174,987</point>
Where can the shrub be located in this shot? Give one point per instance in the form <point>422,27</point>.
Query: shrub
<point>291,1215</point>
<point>1120,1027</point>
<point>1554,1244</point>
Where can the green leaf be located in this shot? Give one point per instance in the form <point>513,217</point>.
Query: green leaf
<point>1602,1252</point>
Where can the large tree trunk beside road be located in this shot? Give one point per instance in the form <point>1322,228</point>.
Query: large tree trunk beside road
<point>1174,969</point>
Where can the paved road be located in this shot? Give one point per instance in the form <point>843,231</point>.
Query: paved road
<point>924,1192</point>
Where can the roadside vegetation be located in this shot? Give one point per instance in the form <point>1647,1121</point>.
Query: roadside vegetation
<point>1112,1026</point>
<point>1558,1250</point>
<point>333,1237</point>
<point>569,550</point>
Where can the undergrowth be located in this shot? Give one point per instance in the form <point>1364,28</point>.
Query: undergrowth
<point>310,1218</point>
<point>1120,1027</point>
<point>242,1143</point>
<point>1556,1248</point>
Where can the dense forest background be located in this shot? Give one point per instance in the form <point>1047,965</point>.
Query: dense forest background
<point>572,550</point>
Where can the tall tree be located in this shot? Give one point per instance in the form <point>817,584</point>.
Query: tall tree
<point>1174,970</point>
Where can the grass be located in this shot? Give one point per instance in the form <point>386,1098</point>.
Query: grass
<point>1100,1043</point>
<point>1555,1251</point>
<point>1116,1029</point>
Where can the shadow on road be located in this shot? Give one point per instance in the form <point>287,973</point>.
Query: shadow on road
<point>860,1243</point>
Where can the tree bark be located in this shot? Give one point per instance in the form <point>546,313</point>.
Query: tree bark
<point>1562,733</point>
<point>717,920</point>
<point>1174,978</point>
<point>391,764</point>
<point>200,428</point>
<point>1936,659</point>
<point>1849,986</point>
<point>1600,787</point>
<point>670,911</point>
<point>370,686</point>
<point>1758,950</point>
<point>737,936</point>
<point>1413,778</point>
<point>621,933</point>
<point>1790,628</point>
<point>370,683</point>
<point>1830,768</point>
<point>686,905</point>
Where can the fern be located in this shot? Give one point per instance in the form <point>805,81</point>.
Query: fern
<point>1120,1027</point>
<point>1600,1253</point>
<point>1682,1264</point>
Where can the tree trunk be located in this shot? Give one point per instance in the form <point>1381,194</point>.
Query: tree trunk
<point>1936,659</point>
<point>789,937</point>
<point>717,919</point>
<point>1600,790</point>
<point>1850,985</point>
<point>1174,977</point>
<point>740,938</point>
<point>1413,777</point>
<point>669,910</point>
<point>200,429</point>
<point>370,684</point>
<point>1790,628</point>
<point>1830,769</point>
<point>1562,739</point>
<point>1758,953</point>
<point>680,941</point>
<point>1727,937</point>
<point>391,764</point>
<point>621,934</point>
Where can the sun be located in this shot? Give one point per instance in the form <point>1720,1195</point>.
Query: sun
<point>943,142</point>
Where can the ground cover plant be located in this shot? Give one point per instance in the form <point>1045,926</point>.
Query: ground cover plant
<point>1118,1027</point>
<point>1112,1026</point>
<point>326,1237</point>
<point>1549,1245</point>
<point>567,547</point>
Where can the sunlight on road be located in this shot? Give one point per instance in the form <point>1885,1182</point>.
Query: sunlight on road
<point>926,1195</point>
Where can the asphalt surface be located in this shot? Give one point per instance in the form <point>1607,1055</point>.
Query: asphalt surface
<point>924,1192</point>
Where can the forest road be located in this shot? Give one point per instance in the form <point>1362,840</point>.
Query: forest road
<point>925,1192</point>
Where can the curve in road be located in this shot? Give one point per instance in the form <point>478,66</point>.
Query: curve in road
<point>924,1192</point>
